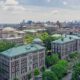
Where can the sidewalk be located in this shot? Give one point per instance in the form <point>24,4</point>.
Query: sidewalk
<point>68,77</point>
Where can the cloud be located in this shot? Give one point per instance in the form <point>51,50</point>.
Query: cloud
<point>16,10</point>
<point>49,1</point>
<point>56,11</point>
<point>11,5</point>
<point>11,2</point>
<point>64,3</point>
<point>40,14</point>
<point>1,3</point>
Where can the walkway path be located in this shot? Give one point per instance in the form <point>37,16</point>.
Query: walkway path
<point>68,77</point>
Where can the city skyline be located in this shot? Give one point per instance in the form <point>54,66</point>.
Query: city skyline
<point>14,11</point>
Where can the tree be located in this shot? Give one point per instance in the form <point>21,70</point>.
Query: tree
<point>43,69</point>
<point>29,76</point>
<point>4,45</point>
<point>16,79</point>
<point>28,38</point>
<point>76,72</point>
<point>51,60</point>
<point>60,69</point>
<point>49,75</point>
<point>47,39</point>
<point>44,36</point>
<point>73,55</point>
<point>55,58</point>
<point>36,72</point>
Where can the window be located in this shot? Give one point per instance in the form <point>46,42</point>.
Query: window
<point>24,65</point>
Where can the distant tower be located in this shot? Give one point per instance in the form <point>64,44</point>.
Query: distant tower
<point>59,24</point>
<point>22,24</point>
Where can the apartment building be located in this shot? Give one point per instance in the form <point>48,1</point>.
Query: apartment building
<point>19,62</point>
<point>66,45</point>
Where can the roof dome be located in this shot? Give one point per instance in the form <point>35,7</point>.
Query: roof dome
<point>8,29</point>
<point>37,40</point>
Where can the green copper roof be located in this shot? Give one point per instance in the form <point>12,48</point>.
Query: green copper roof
<point>72,36</point>
<point>22,50</point>
<point>66,38</point>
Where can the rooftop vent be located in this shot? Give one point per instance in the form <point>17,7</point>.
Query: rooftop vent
<point>70,37</point>
<point>32,45</point>
<point>28,47</point>
<point>62,39</point>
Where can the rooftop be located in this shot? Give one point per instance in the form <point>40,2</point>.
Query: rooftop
<point>72,36</point>
<point>9,29</point>
<point>11,38</point>
<point>56,35</point>
<point>37,40</point>
<point>31,30</point>
<point>21,50</point>
<point>66,38</point>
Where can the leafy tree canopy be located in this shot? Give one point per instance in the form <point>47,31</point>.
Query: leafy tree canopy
<point>4,45</point>
<point>51,60</point>
<point>76,72</point>
<point>60,68</point>
<point>49,75</point>
<point>16,79</point>
<point>36,72</point>
<point>28,38</point>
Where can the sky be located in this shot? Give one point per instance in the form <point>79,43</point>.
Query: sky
<point>14,11</point>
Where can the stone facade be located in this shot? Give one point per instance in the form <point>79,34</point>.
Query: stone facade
<point>22,65</point>
<point>66,46</point>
